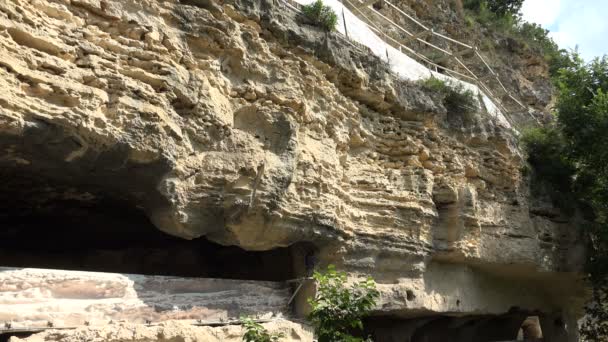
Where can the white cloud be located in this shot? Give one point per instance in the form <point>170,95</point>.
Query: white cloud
<point>585,26</point>
<point>572,23</point>
<point>564,39</point>
<point>543,12</point>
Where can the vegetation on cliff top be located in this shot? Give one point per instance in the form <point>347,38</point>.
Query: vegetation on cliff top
<point>504,17</point>
<point>456,99</point>
<point>321,15</point>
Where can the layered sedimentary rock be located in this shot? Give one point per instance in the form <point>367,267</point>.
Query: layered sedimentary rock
<point>235,121</point>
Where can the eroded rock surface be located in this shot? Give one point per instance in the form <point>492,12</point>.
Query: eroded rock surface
<point>234,121</point>
<point>166,332</point>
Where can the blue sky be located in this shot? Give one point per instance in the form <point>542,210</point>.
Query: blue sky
<point>573,22</point>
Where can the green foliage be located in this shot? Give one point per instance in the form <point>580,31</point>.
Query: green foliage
<point>553,172</point>
<point>498,7</point>
<point>255,332</point>
<point>538,39</point>
<point>503,7</point>
<point>595,324</point>
<point>435,84</point>
<point>546,150</point>
<point>337,310</point>
<point>456,99</point>
<point>573,156</point>
<point>321,15</point>
<point>481,12</point>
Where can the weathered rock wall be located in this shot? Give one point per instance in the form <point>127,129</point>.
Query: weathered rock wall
<point>235,121</point>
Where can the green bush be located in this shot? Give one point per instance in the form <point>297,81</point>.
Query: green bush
<point>456,99</point>
<point>546,153</point>
<point>321,15</point>
<point>337,310</point>
<point>435,84</point>
<point>553,172</point>
<point>255,332</point>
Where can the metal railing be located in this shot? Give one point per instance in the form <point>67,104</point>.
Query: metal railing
<point>364,12</point>
<point>420,37</point>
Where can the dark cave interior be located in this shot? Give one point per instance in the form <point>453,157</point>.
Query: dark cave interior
<point>65,227</point>
<point>512,326</point>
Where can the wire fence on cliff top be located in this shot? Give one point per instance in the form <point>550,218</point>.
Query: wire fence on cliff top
<point>365,13</point>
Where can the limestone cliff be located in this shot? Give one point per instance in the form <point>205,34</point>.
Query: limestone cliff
<point>235,121</point>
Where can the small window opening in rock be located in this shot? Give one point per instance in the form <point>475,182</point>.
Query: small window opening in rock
<point>410,295</point>
<point>72,229</point>
<point>458,302</point>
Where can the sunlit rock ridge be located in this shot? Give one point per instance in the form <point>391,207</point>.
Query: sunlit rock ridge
<point>235,121</point>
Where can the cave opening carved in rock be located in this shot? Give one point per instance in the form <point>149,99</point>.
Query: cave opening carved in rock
<point>513,326</point>
<point>64,226</point>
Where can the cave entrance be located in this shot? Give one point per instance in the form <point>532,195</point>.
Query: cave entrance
<point>444,328</point>
<point>44,225</point>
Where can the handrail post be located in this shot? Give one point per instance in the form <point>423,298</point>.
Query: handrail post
<point>344,20</point>
<point>418,37</point>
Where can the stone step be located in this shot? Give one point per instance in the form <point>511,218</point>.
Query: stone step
<point>37,298</point>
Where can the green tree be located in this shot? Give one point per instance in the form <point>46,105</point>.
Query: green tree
<point>499,7</point>
<point>583,118</point>
<point>573,157</point>
<point>502,7</point>
<point>321,15</point>
<point>255,332</point>
<point>338,309</point>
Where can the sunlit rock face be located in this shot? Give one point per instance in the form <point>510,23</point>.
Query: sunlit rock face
<point>234,121</point>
